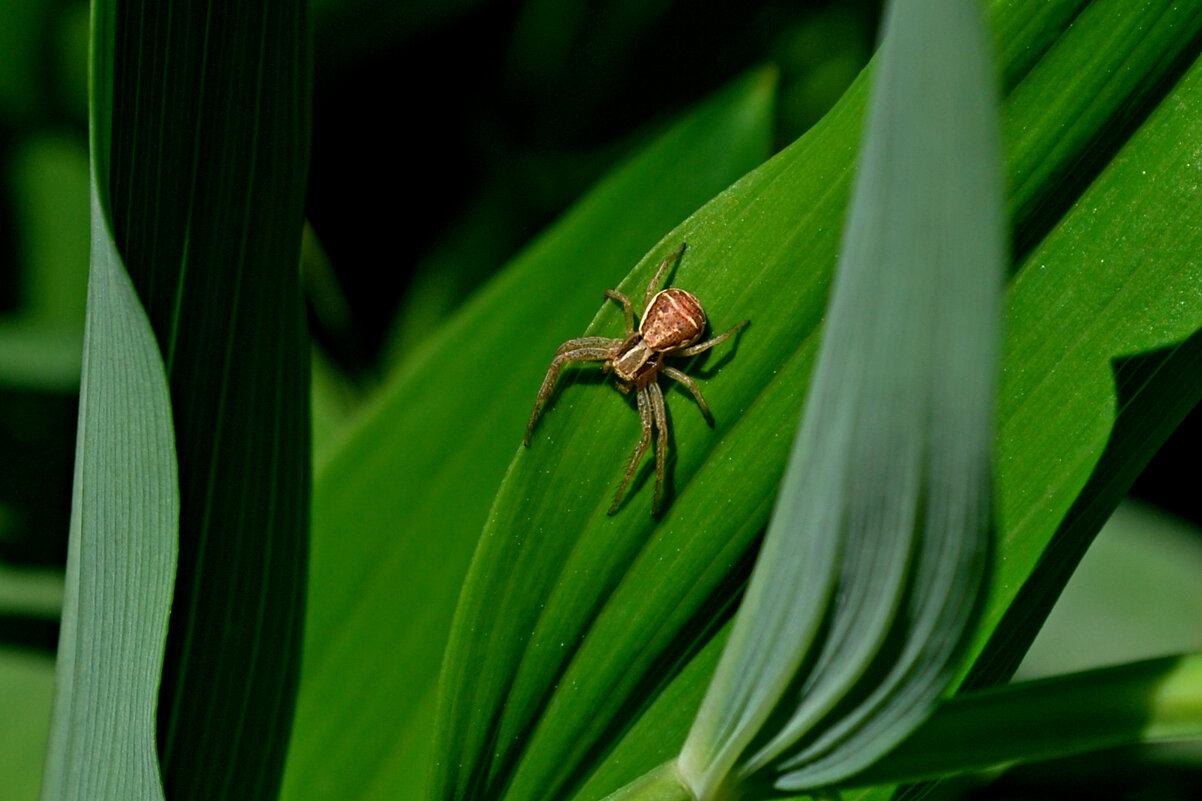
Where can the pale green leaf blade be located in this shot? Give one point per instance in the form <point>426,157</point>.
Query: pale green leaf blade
<point>122,553</point>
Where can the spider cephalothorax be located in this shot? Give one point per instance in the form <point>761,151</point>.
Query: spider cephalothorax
<point>671,322</point>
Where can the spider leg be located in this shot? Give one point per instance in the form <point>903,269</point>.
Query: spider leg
<point>693,350</point>
<point>586,342</point>
<point>659,275</point>
<point>644,441</point>
<point>584,349</point>
<point>614,294</point>
<point>661,442</point>
<point>691,386</point>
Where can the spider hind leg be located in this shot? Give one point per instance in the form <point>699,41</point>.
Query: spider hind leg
<point>645,413</point>
<point>660,415</point>
<point>691,386</point>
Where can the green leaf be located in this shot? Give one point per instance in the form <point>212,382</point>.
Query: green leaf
<point>1118,275</point>
<point>873,564</point>
<point>206,165</point>
<point>492,696</point>
<point>122,554</point>
<point>399,503</point>
<point>571,622</point>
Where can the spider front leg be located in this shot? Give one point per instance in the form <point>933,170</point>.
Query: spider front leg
<point>644,402</point>
<point>659,274</point>
<point>584,349</point>
<point>614,294</point>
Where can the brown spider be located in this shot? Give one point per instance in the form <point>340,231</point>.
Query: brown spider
<point>672,321</point>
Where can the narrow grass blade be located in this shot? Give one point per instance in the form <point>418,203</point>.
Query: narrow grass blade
<point>122,553</point>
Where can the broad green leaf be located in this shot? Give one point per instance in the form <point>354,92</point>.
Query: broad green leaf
<point>871,570</point>
<point>206,166</point>
<point>572,621</point>
<point>1102,358</point>
<point>399,502</point>
<point>571,470</point>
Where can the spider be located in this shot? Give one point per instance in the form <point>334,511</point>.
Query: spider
<point>672,321</point>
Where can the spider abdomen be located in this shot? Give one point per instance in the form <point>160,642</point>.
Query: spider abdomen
<point>674,319</point>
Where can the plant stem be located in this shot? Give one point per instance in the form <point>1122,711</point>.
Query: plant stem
<point>659,784</point>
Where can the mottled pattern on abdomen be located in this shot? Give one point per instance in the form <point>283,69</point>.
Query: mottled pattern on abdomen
<point>674,319</point>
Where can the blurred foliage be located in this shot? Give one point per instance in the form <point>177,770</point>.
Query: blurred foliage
<point>43,269</point>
